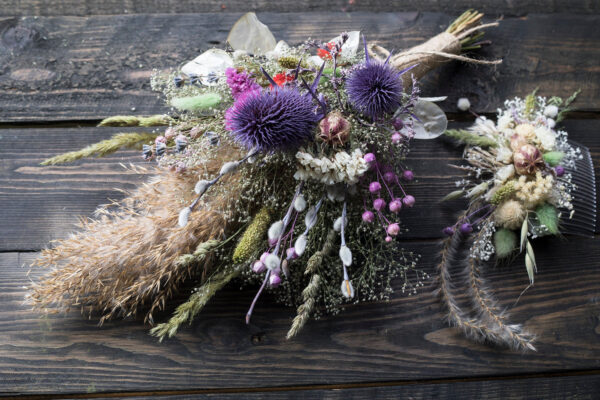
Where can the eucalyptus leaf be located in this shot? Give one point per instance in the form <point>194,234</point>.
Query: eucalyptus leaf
<point>207,65</point>
<point>430,121</point>
<point>251,35</point>
<point>453,195</point>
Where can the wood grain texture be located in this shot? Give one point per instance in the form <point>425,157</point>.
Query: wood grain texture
<point>89,7</point>
<point>40,204</point>
<point>75,68</point>
<point>549,388</point>
<point>404,339</point>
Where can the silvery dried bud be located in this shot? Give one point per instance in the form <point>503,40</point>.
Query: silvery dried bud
<point>181,143</point>
<point>184,216</point>
<point>161,148</point>
<point>347,289</point>
<point>201,186</point>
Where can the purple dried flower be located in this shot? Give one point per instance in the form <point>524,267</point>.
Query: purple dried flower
<point>240,82</point>
<point>269,120</point>
<point>374,88</point>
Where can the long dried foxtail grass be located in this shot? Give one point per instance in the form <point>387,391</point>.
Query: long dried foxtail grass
<point>187,311</point>
<point>488,323</point>
<point>127,259</point>
<point>310,292</point>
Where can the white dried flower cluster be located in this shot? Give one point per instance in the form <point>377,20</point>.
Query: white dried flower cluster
<point>342,167</point>
<point>534,192</point>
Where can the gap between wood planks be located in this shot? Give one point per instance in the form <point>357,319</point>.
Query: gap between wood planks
<point>90,123</point>
<point>591,372</point>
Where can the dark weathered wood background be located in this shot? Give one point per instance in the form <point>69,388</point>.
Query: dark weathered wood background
<point>65,65</point>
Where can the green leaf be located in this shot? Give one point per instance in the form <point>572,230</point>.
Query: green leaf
<point>553,157</point>
<point>547,215</point>
<point>196,103</point>
<point>470,138</point>
<point>453,195</point>
<point>505,242</point>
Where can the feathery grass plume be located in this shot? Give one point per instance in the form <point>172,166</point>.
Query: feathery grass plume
<point>315,261</point>
<point>548,216</point>
<point>309,296</point>
<point>470,138</point>
<point>488,324</point>
<point>187,311</point>
<point>488,313</point>
<point>505,242</point>
<point>127,259</point>
<point>503,193</point>
<point>103,148</point>
<point>566,108</point>
<point>530,103</point>
<point>253,237</point>
<point>310,292</point>
<point>132,120</point>
<point>196,103</point>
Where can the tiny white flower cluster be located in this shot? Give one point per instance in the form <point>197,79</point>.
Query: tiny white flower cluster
<point>343,167</point>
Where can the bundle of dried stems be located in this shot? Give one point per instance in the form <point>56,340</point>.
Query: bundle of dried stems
<point>125,260</point>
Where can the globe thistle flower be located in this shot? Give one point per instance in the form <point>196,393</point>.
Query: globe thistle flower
<point>375,88</point>
<point>270,120</point>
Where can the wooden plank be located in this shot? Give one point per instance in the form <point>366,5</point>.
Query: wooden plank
<point>402,340</point>
<point>88,7</point>
<point>549,388</point>
<point>40,204</point>
<point>74,68</point>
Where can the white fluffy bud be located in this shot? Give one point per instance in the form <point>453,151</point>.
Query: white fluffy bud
<point>463,104</point>
<point>228,167</point>
<point>347,289</point>
<point>272,262</point>
<point>184,216</point>
<point>346,256</point>
<point>201,186</point>
<point>299,203</point>
<point>337,225</point>
<point>275,230</point>
<point>551,111</point>
<point>311,217</point>
<point>300,245</point>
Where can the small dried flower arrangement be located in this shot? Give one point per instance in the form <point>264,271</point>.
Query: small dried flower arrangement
<point>524,177</point>
<point>280,165</point>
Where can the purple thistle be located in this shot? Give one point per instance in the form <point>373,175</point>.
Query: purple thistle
<point>270,120</point>
<point>240,82</point>
<point>374,88</point>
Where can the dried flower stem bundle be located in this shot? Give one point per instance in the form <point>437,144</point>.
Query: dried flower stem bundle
<point>462,35</point>
<point>128,258</point>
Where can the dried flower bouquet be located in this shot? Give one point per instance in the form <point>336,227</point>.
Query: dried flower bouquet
<point>280,165</point>
<point>525,180</point>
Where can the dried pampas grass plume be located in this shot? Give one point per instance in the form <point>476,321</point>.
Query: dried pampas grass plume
<point>126,259</point>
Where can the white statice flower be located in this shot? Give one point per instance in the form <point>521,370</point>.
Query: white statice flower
<point>342,167</point>
<point>505,173</point>
<point>505,122</point>
<point>504,155</point>
<point>551,123</point>
<point>546,138</point>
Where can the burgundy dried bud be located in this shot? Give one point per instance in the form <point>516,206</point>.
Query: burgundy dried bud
<point>527,160</point>
<point>335,129</point>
